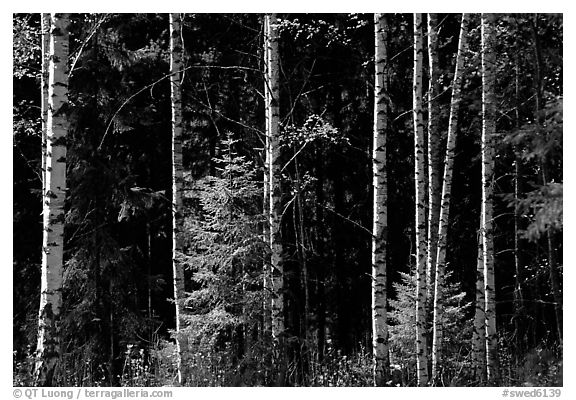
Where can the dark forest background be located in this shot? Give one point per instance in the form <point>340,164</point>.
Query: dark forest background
<point>117,312</point>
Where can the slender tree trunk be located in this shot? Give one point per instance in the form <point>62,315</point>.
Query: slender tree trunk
<point>555,283</point>
<point>48,347</point>
<point>434,181</point>
<point>177,180</point>
<point>320,268</point>
<point>380,216</point>
<point>275,176</point>
<point>488,130</point>
<point>518,297</point>
<point>420,183</point>
<point>445,203</point>
<point>149,274</point>
<point>44,76</point>
<point>267,272</point>
<point>111,355</point>
<point>479,332</point>
<point>299,233</point>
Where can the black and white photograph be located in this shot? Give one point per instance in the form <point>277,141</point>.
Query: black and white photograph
<point>289,199</point>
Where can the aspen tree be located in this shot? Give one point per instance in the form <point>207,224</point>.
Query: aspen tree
<point>177,178</point>
<point>445,202</point>
<point>434,181</point>
<point>420,184</point>
<point>380,194</point>
<point>487,149</point>
<point>48,347</point>
<point>275,204</point>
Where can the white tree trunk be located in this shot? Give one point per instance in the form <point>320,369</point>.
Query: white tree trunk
<point>445,202</point>
<point>420,184</point>
<point>177,178</point>
<point>267,273</point>
<point>275,176</point>
<point>48,348</point>
<point>380,194</point>
<point>434,181</point>
<point>488,130</point>
<point>44,76</point>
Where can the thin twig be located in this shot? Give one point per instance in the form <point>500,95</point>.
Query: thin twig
<point>28,162</point>
<point>300,92</point>
<point>79,51</point>
<point>347,219</point>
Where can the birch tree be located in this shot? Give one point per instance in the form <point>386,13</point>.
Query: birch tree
<point>267,273</point>
<point>48,346</point>
<point>420,184</point>
<point>275,176</point>
<point>479,330</point>
<point>177,178</point>
<point>445,202</point>
<point>434,181</point>
<point>380,194</point>
<point>44,76</point>
<point>487,149</point>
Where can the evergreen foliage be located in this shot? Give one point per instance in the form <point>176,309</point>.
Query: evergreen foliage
<point>457,331</point>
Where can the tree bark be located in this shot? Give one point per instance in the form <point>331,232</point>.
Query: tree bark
<point>488,132</point>
<point>177,180</point>
<point>479,332</point>
<point>275,176</point>
<point>44,76</point>
<point>434,181</point>
<point>48,347</point>
<point>420,184</point>
<point>380,214</point>
<point>445,203</point>
<point>267,271</point>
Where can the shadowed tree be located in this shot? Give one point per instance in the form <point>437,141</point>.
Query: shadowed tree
<point>487,148</point>
<point>479,329</point>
